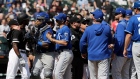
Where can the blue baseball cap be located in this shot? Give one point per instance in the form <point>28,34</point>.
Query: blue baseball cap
<point>137,4</point>
<point>98,14</point>
<point>61,17</point>
<point>42,15</point>
<point>128,12</point>
<point>120,10</point>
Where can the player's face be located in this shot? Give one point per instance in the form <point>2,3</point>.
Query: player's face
<point>38,22</point>
<point>117,15</point>
<point>83,26</point>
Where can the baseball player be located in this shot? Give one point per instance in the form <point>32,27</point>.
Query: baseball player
<point>62,69</point>
<point>120,64</point>
<point>17,55</point>
<point>44,56</point>
<point>133,34</point>
<point>132,73</point>
<point>97,37</point>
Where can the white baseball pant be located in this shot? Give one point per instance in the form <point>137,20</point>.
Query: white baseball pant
<point>99,69</point>
<point>13,65</point>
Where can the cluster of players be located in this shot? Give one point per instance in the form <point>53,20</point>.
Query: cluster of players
<point>76,44</point>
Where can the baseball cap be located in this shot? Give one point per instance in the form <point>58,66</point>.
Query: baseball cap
<point>85,20</point>
<point>61,17</point>
<point>120,10</point>
<point>98,14</point>
<point>75,19</point>
<point>137,4</point>
<point>13,22</point>
<point>128,12</point>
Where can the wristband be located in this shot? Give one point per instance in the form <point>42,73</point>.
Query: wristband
<point>19,56</point>
<point>39,43</point>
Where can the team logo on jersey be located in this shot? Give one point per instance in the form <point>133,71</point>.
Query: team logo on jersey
<point>72,37</point>
<point>66,34</point>
<point>138,19</point>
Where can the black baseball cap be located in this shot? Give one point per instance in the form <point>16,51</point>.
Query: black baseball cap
<point>13,22</point>
<point>85,20</point>
<point>75,19</point>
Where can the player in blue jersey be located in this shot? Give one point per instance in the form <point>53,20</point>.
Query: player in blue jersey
<point>97,37</point>
<point>44,56</point>
<point>120,64</point>
<point>133,34</point>
<point>132,73</point>
<point>62,69</point>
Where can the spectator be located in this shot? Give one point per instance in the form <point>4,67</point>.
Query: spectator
<point>109,9</point>
<point>98,4</point>
<point>18,8</point>
<point>4,28</point>
<point>41,5</point>
<point>114,24</point>
<point>11,14</point>
<point>3,9</point>
<point>53,11</point>
<point>9,3</point>
<point>82,3</point>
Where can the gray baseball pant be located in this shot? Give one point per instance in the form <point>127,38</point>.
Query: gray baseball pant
<point>136,57</point>
<point>62,69</point>
<point>120,67</point>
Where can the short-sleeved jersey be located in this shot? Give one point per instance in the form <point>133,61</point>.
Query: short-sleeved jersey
<point>17,37</point>
<point>134,27</point>
<point>63,34</point>
<point>44,39</point>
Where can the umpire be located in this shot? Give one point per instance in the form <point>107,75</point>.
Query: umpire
<point>77,63</point>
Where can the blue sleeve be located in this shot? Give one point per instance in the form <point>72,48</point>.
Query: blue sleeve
<point>66,35</point>
<point>110,36</point>
<point>83,43</point>
<point>119,37</point>
<point>47,40</point>
<point>130,26</point>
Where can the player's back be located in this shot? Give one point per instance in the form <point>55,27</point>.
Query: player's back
<point>98,37</point>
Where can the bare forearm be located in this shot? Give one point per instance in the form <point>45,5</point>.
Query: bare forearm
<point>45,45</point>
<point>127,40</point>
<point>62,42</point>
<point>16,50</point>
<point>95,4</point>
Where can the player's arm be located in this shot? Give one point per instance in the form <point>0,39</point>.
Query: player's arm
<point>119,38</point>
<point>83,43</point>
<point>15,41</point>
<point>16,49</point>
<point>127,40</point>
<point>63,41</point>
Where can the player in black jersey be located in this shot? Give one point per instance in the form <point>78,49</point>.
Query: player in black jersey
<point>17,54</point>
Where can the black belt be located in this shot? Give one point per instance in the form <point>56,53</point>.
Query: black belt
<point>61,50</point>
<point>136,41</point>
